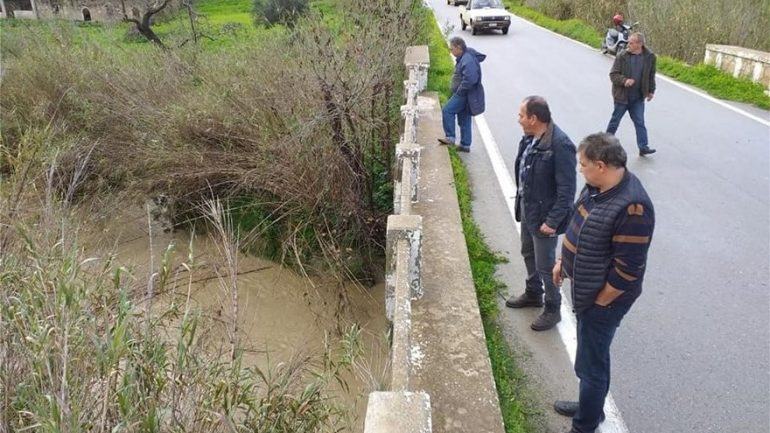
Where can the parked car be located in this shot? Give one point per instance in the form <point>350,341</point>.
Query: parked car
<point>485,15</point>
<point>456,2</point>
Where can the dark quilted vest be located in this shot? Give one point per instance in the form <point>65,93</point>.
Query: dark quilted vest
<point>594,243</point>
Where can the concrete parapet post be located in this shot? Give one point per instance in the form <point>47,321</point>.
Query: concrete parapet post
<point>417,61</point>
<point>409,113</point>
<point>409,228</point>
<point>398,412</point>
<point>411,91</point>
<point>402,192</point>
<point>401,348</point>
<point>408,153</point>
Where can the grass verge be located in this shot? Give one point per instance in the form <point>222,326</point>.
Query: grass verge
<point>515,400</point>
<point>708,78</point>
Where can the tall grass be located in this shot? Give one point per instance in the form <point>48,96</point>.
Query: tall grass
<point>82,351</point>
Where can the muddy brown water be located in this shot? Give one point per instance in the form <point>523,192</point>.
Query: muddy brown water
<point>280,313</point>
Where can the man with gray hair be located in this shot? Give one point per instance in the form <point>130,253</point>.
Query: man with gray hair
<point>545,179</point>
<point>467,95</point>
<point>604,254</point>
<point>633,81</point>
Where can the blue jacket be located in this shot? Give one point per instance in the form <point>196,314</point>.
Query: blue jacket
<point>550,184</point>
<point>466,81</point>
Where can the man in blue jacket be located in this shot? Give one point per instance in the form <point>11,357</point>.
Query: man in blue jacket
<point>545,177</point>
<point>467,94</point>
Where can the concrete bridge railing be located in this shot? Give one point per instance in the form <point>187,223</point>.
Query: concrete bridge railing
<point>740,62</point>
<point>400,409</point>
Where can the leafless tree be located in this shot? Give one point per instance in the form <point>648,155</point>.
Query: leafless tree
<point>144,26</point>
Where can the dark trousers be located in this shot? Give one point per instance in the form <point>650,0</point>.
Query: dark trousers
<point>595,329</point>
<point>635,108</point>
<point>539,252</point>
<point>457,107</point>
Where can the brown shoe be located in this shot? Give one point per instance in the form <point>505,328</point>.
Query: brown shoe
<point>546,321</point>
<point>446,141</point>
<point>525,300</point>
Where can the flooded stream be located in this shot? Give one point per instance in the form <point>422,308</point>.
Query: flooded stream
<point>281,314</point>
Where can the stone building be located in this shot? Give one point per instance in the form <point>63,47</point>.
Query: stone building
<point>80,10</point>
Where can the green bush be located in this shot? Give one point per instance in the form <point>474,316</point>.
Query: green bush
<point>284,12</point>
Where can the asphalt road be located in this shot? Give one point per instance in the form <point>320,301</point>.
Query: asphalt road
<point>693,355</point>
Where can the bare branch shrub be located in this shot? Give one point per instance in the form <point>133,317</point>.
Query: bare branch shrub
<point>301,125</point>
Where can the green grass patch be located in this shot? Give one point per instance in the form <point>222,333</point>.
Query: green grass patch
<point>441,64</point>
<point>716,82</point>
<point>221,23</point>
<point>515,400</point>
<point>708,78</point>
<point>225,11</point>
<point>572,28</point>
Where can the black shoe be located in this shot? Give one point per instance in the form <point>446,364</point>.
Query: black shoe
<point>566,408</point>
<point>646,151</point>
<point>525,300</point>
<point>546,321</point>
<point>569,408</point>
<point>465,149</point>
<point>446,142</point>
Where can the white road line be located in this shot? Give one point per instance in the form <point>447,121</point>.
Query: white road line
<point>704,95</point>
<point>498,165</point>
<point>568,326</point>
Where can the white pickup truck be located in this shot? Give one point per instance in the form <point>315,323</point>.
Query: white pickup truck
<point>485,15</point>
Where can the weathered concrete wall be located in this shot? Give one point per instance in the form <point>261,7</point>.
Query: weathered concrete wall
<point>398,412</point>
<point>450,356</point>
<point>403,410</point>
<point>740,62</point>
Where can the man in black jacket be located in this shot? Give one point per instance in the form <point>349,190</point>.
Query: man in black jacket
<point>604,254</point>
<point>633,82</point>
<point>545,177</point>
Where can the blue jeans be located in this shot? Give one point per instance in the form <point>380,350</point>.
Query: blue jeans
<point>595,329</point>
<point>635,108</point>
<point>457,106</point>
<point>539,252</point>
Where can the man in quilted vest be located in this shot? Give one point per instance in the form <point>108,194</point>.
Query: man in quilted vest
<point>604,254</point>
